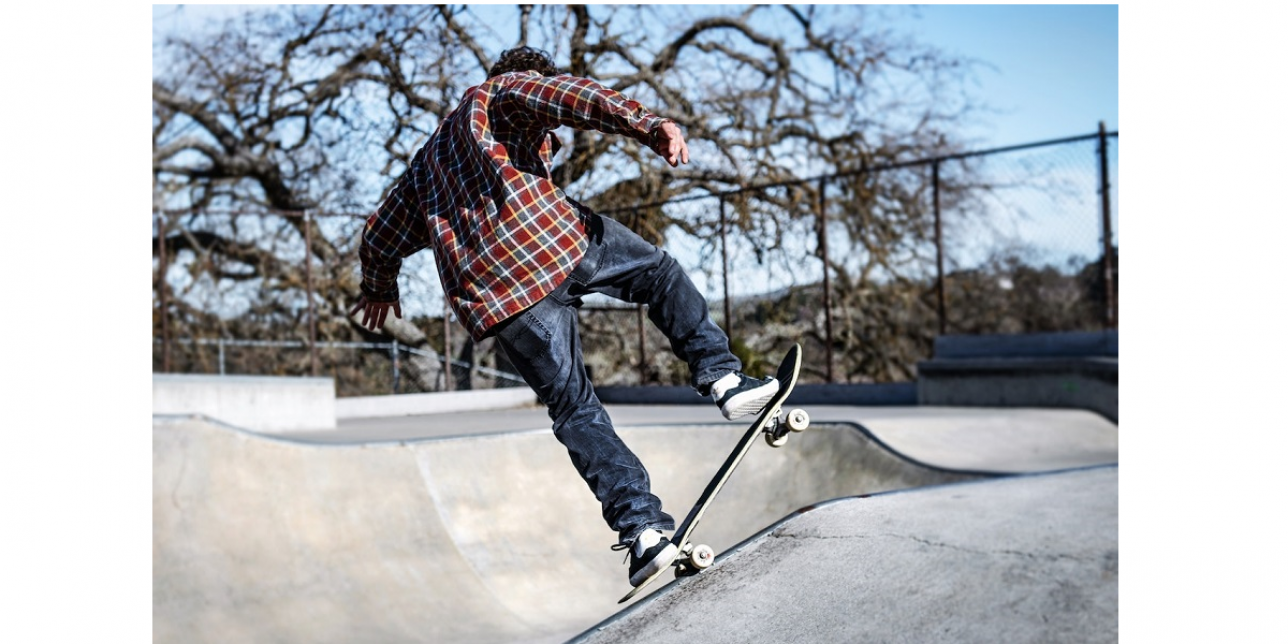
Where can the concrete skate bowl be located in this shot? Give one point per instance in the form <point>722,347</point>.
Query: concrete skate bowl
<point>481,539</point>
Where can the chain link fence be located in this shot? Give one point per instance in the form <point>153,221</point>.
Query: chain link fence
<point>867,267</point>
<point>863,268</point>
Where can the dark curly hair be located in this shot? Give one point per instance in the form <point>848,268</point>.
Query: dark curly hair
<point>522,59</point>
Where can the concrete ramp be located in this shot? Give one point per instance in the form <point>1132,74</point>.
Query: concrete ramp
<point>1022,559</point>
<point>482,539</point>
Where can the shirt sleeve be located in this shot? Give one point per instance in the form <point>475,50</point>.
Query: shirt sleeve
<point>395,231</point>
<point>583,104</point>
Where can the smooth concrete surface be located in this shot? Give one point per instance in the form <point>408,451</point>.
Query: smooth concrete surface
<point>261,403</point>
<point>1009,440</point>
<point>433,403</point>
<point>1024,559</point>
<point>494,538</point>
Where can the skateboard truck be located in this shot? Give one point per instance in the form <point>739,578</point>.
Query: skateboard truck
<point>694,559</point>
<point>777,432</point>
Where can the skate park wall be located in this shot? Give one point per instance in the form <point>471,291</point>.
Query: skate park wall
<point>261,403</point>
<point>1043,370</point>
<point>479,539</point>
<point>433,403</point>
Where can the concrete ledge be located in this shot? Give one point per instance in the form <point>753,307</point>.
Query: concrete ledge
<point>898,393</point>
<point>433,403</point>
<point>1103,369</point>
<point>1015,388</point>
<point>1028,345</point>
<point>259,403</point>
<point>1052,370</point>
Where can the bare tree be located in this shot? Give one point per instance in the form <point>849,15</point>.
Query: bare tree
<point>317,109</point>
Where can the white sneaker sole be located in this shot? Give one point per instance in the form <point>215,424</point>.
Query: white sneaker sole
<point>749,402</point>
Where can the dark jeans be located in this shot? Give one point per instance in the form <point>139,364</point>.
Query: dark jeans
<point>544,345</point>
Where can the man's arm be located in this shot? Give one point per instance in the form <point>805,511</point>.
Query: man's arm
<point>379,284</point>
<point>584,104</point>
<point>396,230</point>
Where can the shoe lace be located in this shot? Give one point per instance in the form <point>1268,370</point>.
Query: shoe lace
<point>623,546</point>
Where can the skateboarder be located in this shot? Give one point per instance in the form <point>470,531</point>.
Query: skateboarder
<point>515,255</point>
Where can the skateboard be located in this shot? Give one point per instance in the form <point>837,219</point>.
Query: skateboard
<point>692,558</point>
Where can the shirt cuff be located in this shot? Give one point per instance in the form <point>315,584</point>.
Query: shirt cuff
<point>374,294</point>
<point>653,125</point>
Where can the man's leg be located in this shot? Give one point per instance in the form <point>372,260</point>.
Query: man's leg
<point>544,345</point>
<point>621,264</point>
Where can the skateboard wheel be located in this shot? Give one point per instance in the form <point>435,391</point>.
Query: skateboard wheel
<point>797,420</point>
<point>776,442</point>
<point>702,557</point>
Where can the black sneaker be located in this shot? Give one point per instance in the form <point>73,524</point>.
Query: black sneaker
<point>738,394</point>
<point>646,560</point>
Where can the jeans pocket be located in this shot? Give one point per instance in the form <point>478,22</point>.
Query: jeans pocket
<point>588,267</point>
<point>528,335</point>
<point>526,342</point>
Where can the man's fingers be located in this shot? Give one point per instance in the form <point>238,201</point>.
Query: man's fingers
<point>358,306</point>
<point>374,314</point>
<point>675,151</point>
<point>676,148</point>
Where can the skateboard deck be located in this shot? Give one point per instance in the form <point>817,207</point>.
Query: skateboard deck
<point>691,557</point>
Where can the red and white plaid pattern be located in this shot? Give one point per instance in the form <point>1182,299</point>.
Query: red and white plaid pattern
<point>479,192</point>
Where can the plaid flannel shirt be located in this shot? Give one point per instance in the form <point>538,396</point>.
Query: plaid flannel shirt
<point>479,192</point>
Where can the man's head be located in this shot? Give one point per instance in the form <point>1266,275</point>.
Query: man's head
<point>522,59</point>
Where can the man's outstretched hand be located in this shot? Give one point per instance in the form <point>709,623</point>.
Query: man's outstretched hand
<point>374,313</point>
<point>671,145</point>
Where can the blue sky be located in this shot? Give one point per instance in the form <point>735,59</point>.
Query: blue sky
<point>1051,70</point>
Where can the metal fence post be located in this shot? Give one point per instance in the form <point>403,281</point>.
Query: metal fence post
<point>448,385</point>
<point>308,286</point>
<point>724,269</point>
<point>222,368</point>
<point>163,302</point>
<point>1107,232</point>
<point>639,327</point>
<point>827,270</point>
<point>941,305</point>
<point>393,353</point>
